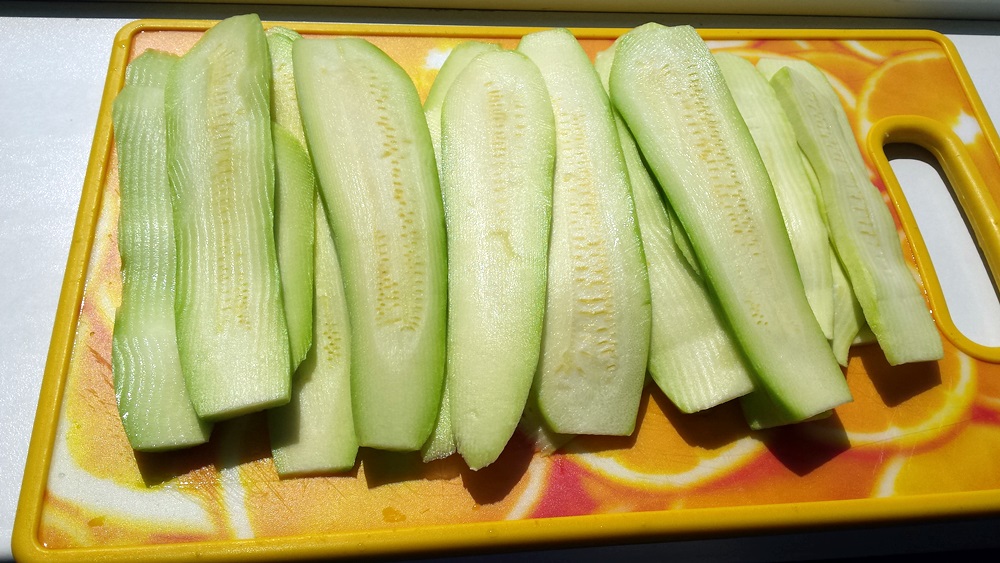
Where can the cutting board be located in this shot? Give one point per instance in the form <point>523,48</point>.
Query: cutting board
<point>918,441</point>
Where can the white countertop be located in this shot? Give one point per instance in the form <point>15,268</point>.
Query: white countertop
<point>52,75</point>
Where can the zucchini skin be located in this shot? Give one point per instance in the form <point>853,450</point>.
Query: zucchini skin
<point>672,96</point>
<point>378,181</point>
<point>231,329</point>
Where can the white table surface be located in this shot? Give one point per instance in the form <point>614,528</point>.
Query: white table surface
<point>52,72</point>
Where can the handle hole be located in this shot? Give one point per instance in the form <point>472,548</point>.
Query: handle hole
<point>971,294</point>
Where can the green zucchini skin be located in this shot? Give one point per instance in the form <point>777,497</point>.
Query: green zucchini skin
<point>861,226</point>
<point>378,181</point>
<point>775,139</point>
<point>498,152</point>
<point>669,90</point>
<point>151,395</point>
<point>231,328</point>
<point>294,197</point>
<point>693,358</point>
<point>595,340</point>
<point>314,433</point>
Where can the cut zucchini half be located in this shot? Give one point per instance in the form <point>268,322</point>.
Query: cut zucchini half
<point>595,340</point>
<point>152,398</point>
<point>231,328</point>
<point>378,180</point>
<point>672,96</point>
<point>693,358</point>
<point>498,152</point>
<point>861,226</point>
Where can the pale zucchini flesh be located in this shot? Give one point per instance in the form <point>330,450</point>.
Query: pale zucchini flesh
<point>378,180</point>
<point>693,358</point>
<point>861,226</point>
<point>775,139</point>
<point>498,151</point>
<point>595,340</point>
<point>151,394</point>
<point>672,96</point>
<point>231,328</point>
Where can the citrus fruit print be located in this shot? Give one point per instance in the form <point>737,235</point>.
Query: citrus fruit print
<point>905,433</point>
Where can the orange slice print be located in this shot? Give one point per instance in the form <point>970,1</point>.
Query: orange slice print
<point>881,94</point>
<point>670,449</point>
<point>967,462</point>
<point>904,406</point>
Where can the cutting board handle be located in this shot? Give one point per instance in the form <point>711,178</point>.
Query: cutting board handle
<point>977,204</point>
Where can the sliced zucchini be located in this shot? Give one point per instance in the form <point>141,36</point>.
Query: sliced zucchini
<point>441,443</point>
<point>314,432</point>
<point>152,398</point>
<point>692,357</point>
<point>861,226</point>
<point>294,197</point>
<point>848,318</point>
<point>775,139</point>
<point>230,321</point>
<point>284,101</point>
<point>457,60</point>
<point>673,98</point>
<point>538,432</point>
<point>498,152</point>
<point>378,180</point>
<point>151,68</point>
<point>595,340</point>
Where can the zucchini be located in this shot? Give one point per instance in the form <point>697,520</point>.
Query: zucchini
<point>672,96</point>
<point>498,152</point>
<point>314,432</point>
<point>151,68</point>
<point>595,341</point>
<point>378,181</point>
<point>692,357</point>
<point>441,443</point>
<point>775,139</point>
<point>231,328</point>
<point>284,101</point>
<point>457,60</point>
<point>848,318</point>
<point>294,197</point>
<point>152,398</point>
<point>861,226</point>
